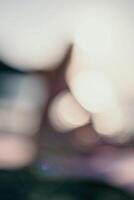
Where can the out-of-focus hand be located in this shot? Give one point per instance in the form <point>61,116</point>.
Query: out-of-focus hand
<point>37,35</point>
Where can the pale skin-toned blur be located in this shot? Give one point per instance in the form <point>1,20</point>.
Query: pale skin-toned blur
<point>36,35</point>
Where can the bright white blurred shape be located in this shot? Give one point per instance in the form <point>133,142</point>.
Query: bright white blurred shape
<point>95,93</point>
<point>16,152</point>
<point>79,61</point>
<point>109,123</point>
<point>66,114</point>
<point>26,51</point>
<point>30,38</point>
<point>93,90</point>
